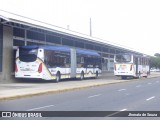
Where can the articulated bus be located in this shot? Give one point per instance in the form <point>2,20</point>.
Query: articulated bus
<point>130,65</point>
<point>56,62</point>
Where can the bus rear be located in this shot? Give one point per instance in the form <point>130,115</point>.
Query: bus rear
<point>29,62</point>
<point>123,65</point>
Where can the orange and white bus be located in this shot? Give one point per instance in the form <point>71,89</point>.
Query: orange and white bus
<point>130,65</point>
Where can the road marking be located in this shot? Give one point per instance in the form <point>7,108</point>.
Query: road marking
<point>149,83</point>
<point>127,94</point>
<point>150,98</point>
<point>138,86</point>
<point>157,81</point>
<point>121,90</point>
<point>94,96</point>
<point>123,110</point>
<point>40,107</point>
<point>116,113</point>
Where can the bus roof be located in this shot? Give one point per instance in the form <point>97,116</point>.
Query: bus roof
<point>62,49</point>
<point>146,56</point>
<point>87,52</point>
<point>48,47</point>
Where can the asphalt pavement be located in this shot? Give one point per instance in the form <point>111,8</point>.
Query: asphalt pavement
<point>32,88</point>
<point>132,95</point>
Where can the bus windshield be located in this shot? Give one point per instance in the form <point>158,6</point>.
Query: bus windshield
<point>123,58</point>
<point>27,55</point>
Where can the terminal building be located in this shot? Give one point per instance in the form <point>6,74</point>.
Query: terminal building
<point>17,31</point>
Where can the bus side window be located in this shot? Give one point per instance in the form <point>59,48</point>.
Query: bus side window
<point>46,57</point>
<point>82,59</point>
<point>64,61</point>
<point>67,61</point>
<point>102,60</point>
<point>144,61</point>
<point>147,61</point>
<point>134,60</point>
<point>140,61</point>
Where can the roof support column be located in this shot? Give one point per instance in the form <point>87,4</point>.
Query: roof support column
<point>7,53</point>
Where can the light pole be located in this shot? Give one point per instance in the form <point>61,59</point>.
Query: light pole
<point>90,27</point>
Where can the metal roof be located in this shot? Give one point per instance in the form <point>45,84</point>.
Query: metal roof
<point>8,17</point>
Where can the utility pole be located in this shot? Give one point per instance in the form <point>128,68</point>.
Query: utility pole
<point>90,27</point>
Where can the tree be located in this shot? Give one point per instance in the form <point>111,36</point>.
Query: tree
<point>155,61</point>
<point>157,54</point>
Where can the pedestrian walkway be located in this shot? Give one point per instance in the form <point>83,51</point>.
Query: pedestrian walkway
<point>24,89</point>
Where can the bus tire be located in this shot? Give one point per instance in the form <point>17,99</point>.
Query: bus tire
<point>58,77</point>
<point>82,75</point>
<point>139,75</point>
<point>147,74</point>
<point>123,77</point>
<point>96,75</point>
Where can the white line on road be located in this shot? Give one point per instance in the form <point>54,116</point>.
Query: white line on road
<point>121,90</point>
<point>123,110</point>
<point>138,86</point>
<point>149,83</point>
<point>110,115</point>
<point>157,81</point>
<point>127,94</point>
<point>150,98</point>
<point>40,107</point>
<point>94,96</point>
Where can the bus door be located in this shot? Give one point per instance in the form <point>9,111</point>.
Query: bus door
<point>73,62</point>
<point>136,63</point>
<point>105,64</point>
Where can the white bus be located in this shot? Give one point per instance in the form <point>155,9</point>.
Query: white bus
<point>56,62</point>
<point>130,65</point>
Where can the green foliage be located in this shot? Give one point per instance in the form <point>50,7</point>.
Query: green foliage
<point>157,54</point>
<point>155,61</point>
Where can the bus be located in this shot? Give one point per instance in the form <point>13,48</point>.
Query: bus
<point>131,65</point>
<point>56,62</point>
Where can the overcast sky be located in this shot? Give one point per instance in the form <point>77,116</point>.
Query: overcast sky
<point>132,23</point>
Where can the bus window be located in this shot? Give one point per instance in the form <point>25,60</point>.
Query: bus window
<point>103,61</point>
<point>82,59</point>
<point>123,58</point>
<point>97,62</point>
<point>143,61</point>
<point>147,61</point>
<point>28,55</point>
<point>56,59</point>
<point>91,62</point>
<point>140,61</point>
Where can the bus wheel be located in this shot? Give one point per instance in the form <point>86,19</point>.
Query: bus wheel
<point>82,75</point>
<point>146,75</point>
<point>139,75</point>
<point>123,77</point>
<point>96,74</point>
<point>58,77</point>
